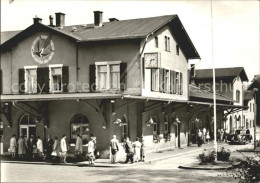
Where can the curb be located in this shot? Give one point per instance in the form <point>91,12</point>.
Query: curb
<point>179,154</point>
<point>205,168</point>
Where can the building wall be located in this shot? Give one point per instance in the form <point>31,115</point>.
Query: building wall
<point>169,60</point>
<point>20,55</point>
<point>126,51</point>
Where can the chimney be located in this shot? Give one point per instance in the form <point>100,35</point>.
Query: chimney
<point>37,20</point>
<point>60,19</point>
<point>113,19</point>
<point>51,20</point>
<point>192,70</point>
<point>98,18</point>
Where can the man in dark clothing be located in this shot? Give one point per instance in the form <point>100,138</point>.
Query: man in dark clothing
<point>49,147</point>
<point>129,151</point>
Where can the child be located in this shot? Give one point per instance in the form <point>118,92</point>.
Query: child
<point>142,149</point>
<point>207,136</point>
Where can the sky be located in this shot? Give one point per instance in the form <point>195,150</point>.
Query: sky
<point>232,31</point>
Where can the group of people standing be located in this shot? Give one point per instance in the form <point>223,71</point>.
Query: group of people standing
<point>203,137</point>
<point>30,148</point>
<point>34,148</point>
<point>135,151</point>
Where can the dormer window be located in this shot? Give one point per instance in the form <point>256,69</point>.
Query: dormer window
<point>156,42</point>
<point>177,49</point>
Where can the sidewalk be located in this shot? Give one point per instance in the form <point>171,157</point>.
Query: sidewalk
<point>150,157</point>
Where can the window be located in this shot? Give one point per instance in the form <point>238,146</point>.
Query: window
<point>155,128</point>
<point>124,132</point>
<point>167,43</point>
<point>250,107</point>
<point>27,126</point>
<point>167,81</point>
<point>30,79</point>
<point>80,126</point>
<point>154,79</point>
<point>156,42</point>
<point>115,76</point>
<point>56,84</point>
<point>177,49</point>
<point>108,75</point>
<point>237,96</point>
<point>166,126</point>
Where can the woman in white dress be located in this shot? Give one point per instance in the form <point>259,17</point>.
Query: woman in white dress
<point>137,149</point>
<point>13,145</point>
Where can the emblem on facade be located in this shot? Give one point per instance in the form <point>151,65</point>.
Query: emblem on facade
<point>43,49</point>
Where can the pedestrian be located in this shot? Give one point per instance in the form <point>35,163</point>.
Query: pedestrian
<point>49,146</point>
<point>13,145</point>
<point>199,138</point>
<point>21,147</point>
<point>64,148</point>
<point>221,134</point>
<point>204,134</point>
<point>129,151</point>
<point>142,149</point>
<point>56,148</point>
<point>114,148</point>
<point>33,141</point>
<point>91,150</point>
<point>39,146</point>
<point>137,149</point>
<point>207,137</point>
<point>79,145</point>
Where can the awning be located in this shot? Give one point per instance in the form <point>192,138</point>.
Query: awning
<point>60,96</point>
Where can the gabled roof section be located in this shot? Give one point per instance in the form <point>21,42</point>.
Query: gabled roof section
<point>124,29</point>
<point>255,83</point>
<point>8,35</point>
<point>221,73</point>
<point>198,93</point>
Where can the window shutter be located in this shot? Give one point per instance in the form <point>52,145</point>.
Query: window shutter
<point>45,79</point>
<point>65,78</point>
<point>177,81</point>
<point>152,80</point>
<point>181,83</point>
<point>123,73</point>
<point>40,82</point>
<point>174,82</point>
<point>21,81</point>
<point>164,81</point>
<point>161,84</point>
<point>92,77</point>
<point>171,82</point>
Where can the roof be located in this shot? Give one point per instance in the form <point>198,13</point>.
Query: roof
<point>255,83</point>
<point>221,73</point>
<point>248,95</point>
<point>199,93</point>
<point>7,35</point>
<point>124,29</point>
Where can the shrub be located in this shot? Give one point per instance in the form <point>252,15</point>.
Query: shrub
<point>247,169</point>
<point>223,154</point>
<point>207,157</point>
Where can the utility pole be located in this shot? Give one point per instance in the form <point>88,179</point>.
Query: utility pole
<point>214,88</point>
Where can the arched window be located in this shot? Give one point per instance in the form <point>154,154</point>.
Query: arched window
<point>80,126</point>
<point>27,126</point>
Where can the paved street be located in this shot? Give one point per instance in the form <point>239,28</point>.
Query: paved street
<point>158,171</point>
